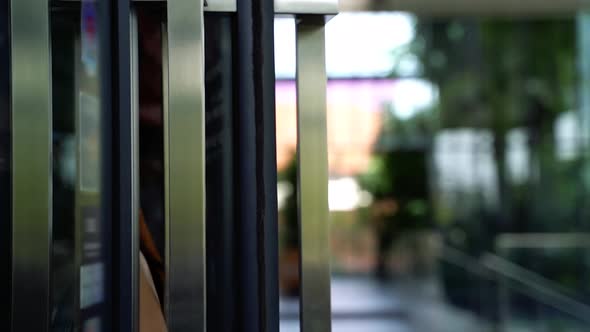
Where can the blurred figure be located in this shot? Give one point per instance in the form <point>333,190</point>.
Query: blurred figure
<point>151,173</point>
<point>289,262</point>
<point>151,317</point>
<point>398,182</point>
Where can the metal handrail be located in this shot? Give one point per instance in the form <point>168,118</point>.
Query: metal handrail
<point>531,284</point>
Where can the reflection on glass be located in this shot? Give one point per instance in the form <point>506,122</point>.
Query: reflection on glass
<point>459,182</point>
<point>78,269</point>
<point>5,220</point>
<point>65,25</point>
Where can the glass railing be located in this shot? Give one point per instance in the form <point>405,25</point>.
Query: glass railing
<point>520,299</point>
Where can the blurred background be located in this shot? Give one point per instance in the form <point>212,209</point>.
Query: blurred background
<point>459,171</point>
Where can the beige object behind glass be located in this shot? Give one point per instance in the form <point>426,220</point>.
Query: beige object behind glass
<point>151,318</point>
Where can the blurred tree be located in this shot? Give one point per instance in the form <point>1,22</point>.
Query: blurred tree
<point>397,179</point>
<point>500,75</point>
<point>289,231</point>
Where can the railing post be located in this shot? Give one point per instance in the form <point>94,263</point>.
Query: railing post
<point>312,146</point>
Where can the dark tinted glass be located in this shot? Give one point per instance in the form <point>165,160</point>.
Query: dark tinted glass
<point>78,262</point>
<point>219,108</point>
<point>65,23</point>
<point>151,141</point>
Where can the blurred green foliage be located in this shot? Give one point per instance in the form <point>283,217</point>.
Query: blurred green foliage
<point>500,75</point>
<point>290,231</point>
<point>495,76</point>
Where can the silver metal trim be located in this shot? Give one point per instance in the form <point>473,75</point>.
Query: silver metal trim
<point>469,7</point>
<point>212,5</point>
<point>221,6</point>
<point>322,7</point>
<point>135,206</point>
<point>31,165</point>
<point>186,152</point>
<point>166,121</point>
<point>313,175</point>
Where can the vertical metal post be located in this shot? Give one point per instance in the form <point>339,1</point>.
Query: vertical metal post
<point>313,175</point>
<point>126,303</point>
<point>247,192</point>
<point>106,210</point>
<point>165,121</point>
<point>267,165</point>
<point>31,164</point>
<point>220,105</point>
<point>186,171</point>
<point>133,137</point>
<point>256,209</point>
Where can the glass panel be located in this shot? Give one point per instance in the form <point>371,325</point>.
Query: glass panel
<point>287,188</point>
<point>65,23</point>
<point>5,220</point>
<point>219,112</point>
<point>78,263</point>
<point>458,153</point>
<point>150,22</point>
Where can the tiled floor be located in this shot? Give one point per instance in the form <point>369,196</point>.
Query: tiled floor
<point>362,304</point>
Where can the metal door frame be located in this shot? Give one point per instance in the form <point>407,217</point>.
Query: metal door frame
<point>256,192</point>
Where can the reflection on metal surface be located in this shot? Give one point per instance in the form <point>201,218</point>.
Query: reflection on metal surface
<point>325,7</point>
<point>31,187</point>
<point>313,174</point>
<point>186,171</point>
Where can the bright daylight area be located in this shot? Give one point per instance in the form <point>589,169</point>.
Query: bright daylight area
<point>458,173</point>
<point>154,176</point>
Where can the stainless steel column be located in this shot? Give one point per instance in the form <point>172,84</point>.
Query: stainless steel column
<point>313,175</point>
<point>186,167</point>
<point>129,122</point>
<point>125,153</point>
<point>31,164</point>
<point>312,146</point>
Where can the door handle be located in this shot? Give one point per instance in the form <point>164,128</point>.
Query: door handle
<point>31,165</point>
<point>185,175</point>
